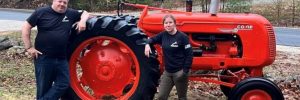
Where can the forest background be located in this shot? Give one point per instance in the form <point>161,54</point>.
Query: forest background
<point>283,13</point>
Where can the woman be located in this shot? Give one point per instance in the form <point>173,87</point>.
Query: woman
<point>177,56</point>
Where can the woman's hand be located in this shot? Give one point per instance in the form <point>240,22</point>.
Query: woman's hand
<point>33,52</point>
<point>147,50</point>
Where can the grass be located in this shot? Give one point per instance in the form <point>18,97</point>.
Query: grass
<point>17,80</point>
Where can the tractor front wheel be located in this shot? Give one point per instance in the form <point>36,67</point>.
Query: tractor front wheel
<point>256,89</point>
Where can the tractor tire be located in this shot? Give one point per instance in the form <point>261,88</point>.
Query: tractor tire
<point>130,19</point>
<point>256,89</point>
<point>123,37</point>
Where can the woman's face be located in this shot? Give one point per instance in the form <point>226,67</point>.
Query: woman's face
<point>169,24</point>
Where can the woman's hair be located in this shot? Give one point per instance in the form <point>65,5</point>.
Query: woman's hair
<point>169,16</point>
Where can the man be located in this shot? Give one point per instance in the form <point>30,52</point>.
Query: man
<point>49,52</point>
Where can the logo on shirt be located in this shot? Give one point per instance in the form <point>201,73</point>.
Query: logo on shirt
<point>174,44</point>
<point>187,46</point>
<point>65,19</point>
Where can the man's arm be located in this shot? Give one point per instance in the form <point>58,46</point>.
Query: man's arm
<point>26,32</point>
<point>82,23</point>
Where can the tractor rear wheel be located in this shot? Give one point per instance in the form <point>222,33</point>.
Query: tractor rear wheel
<point>256,89</point>
<point>130,19</point>
<point>107,61</point>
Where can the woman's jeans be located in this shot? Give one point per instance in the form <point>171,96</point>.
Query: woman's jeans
<point>52,77</point>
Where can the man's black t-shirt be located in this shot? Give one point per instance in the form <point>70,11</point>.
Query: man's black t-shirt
<point>53,30</point>
<point>177,51</point>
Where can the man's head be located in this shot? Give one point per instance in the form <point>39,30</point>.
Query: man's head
<point>60,6</point>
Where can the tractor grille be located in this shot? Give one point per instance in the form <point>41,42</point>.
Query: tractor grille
<point>272,42</point>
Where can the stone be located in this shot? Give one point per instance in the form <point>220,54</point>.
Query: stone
<point>5,43</point>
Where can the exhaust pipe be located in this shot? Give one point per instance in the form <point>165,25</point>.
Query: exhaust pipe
<point>189,5</point>
<point>214,7</point>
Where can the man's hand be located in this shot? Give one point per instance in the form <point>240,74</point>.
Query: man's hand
<point>33,52</point>
<point>147,50</point>
<point>81,26</point>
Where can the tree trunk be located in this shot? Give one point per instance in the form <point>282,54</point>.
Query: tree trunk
<point>223,5</point>
<point>278,12</point>
<point>293,12</point>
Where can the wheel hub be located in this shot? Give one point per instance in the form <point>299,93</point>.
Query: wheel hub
<point>256,95</point>
<point>105,71</point>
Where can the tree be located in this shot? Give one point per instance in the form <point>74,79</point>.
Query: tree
<point>278,8</point>
<point>237,6</point>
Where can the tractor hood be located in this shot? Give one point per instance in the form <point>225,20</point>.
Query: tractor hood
<point>201,22</point>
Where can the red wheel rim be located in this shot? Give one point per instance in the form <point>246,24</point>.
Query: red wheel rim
<point>256,95</point>
<point>104,67</point>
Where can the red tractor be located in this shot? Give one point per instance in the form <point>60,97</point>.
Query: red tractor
<point>107,61</point>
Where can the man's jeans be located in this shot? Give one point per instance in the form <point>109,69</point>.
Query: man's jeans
<point>52,77</point>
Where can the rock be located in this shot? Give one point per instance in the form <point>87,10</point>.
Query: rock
<point>278,80</point>
<point>16,50</point>
<point>298,81</point>
<point>289,79</point>
<point>5,43</point>
<point>15,43</point>
<point>3,39</point>
<point>268,76</point>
